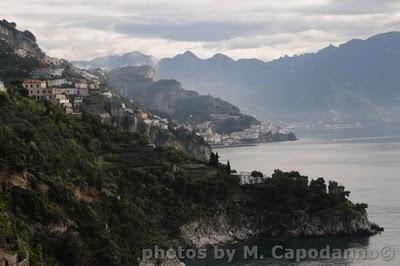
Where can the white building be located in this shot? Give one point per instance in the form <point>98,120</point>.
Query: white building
<point>57,82</point>
<point>56,72</point>
<point>81,85</point>
<point>78,100</point>
<point>2,87</point>
<point>246,178</point>
<point>107,94</point>
<point>70,91</point>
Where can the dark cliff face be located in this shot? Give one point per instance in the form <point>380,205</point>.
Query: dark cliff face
<point>20,40</point>
<point>184,141</point>
<point>237,225</point>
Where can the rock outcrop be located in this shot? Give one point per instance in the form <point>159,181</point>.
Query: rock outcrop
<point>24,42</point>
<point>235,226</point>
<point>184,141</point>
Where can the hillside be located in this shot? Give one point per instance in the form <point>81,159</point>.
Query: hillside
<point>167,97</point>
<point>124,115</point>
<point>87,188</point>
<point>77,192</point>
<point>357,81</point>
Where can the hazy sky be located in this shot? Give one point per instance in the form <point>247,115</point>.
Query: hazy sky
<point>265,29</point>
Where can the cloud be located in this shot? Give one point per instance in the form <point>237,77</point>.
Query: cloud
<point>260,28</point>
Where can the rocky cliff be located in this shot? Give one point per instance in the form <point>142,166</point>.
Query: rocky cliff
<point>240,225</point>
<point>24,42</point>
<point>185,141</point>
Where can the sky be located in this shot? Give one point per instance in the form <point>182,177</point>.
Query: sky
<point>264,29</point>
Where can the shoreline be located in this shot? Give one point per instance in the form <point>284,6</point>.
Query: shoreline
<point>250,144</point>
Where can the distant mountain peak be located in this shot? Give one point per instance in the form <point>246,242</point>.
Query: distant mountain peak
<point>188,54</point>
<point>112,61</point>
<point>304,87</point>
<point>221,57</point>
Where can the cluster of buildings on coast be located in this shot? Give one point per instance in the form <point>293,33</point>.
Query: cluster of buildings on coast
<point>249,135</point>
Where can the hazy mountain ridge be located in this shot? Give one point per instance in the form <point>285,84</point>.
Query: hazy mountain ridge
<point>356,81</point>
<point>113,61</point>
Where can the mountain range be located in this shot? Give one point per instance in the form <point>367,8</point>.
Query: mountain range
<point>357,81</point>
<point>113,61</point>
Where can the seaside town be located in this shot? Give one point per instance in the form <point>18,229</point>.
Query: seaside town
<point>67,86</point>
<point>262,132</point>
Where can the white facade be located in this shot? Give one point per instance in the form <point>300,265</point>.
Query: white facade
<point>107,94</point>
<point>56,82</point>
<point>70,91</point>
<point>246,178</point>
<point>81,85</point>
<point>56,72</point>
<point>2,87</point>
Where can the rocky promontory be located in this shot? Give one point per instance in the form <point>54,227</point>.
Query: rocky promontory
<point>238,225</point>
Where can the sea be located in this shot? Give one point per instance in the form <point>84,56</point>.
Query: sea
<point>365,160</point>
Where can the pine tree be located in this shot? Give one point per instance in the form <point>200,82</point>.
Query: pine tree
<point>212,159</point>
<point>228,168</point>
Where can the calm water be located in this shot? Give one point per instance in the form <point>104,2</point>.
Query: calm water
<point>366,161</point>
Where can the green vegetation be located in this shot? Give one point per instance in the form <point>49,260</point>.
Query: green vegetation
<point>77,192</point>
<point>291,191</point>
<point>168,99</point>
<point>214,159</point>
<point>12,67</point>
<point>94,195</point>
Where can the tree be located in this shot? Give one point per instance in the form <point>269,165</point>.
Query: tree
<point>318,185</point>
<point>36,256</point>
<point>214,159</point>
<point>257,174</point>
<point>228,168</point>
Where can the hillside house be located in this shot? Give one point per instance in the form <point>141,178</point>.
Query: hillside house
<point>47,73</point>
<point>143,115</point>
<point>108,94</point>
<point>337,191</point>
<point>2,87</point>
<point>83,91</point>
<point>57,82</point>
<point>34,84</point>
<point>37,89</point>
<point>247,179</point>
<point>70,91</point>
<point>62,100</point>
<point>81,84</point>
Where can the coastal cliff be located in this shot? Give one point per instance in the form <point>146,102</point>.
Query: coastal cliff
<point>235,226</point>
